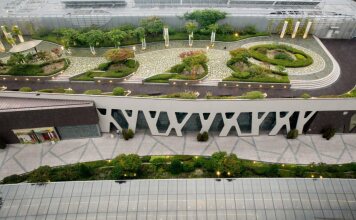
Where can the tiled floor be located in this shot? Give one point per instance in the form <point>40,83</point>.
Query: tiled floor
<point>19,158</point>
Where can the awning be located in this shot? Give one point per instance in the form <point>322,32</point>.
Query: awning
<point>25,46</point>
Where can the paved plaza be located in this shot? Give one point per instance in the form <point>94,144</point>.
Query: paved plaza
<point>181,199</point>
<point>19,158</point>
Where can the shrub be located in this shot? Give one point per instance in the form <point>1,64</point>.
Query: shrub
<point>153,25</point>
<point>191,53</point>
<point>25,89</point>
<point>176,166</point>
<point>130,164</point>
<point>188,167</point>
<point>93,92</point>
<point>25,70</point>
<point>232,165</point>
<point>181,95</point>
<point>194,60</point>
<point>68,173</point>
<point>118,91</point>
<point>299,56</point>
<point>249,30</point>
<point>128,134</point>
<point>282,56</point>
<point>183,157</point>
<point>305,96</point>
<point>145,159</point>
<point>241,75</point>
<point>205,17</point>
<point>85,171</point>
<point>40,175</point>
<point>292,134</point>
<point>225,29</point>
<point>328,133</point>
<point>252,95</point>
<point>119,55</point>
<point>239,52</point>
<point>203,137</point>
<point>116,173</point>
<point>177,68</point>
<point>14,179</point>
<point>54,90</point>
<point>104,66</point>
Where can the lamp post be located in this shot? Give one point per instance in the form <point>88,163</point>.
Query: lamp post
<point>134,50</point>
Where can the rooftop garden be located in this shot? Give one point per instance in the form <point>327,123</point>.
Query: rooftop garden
<point>120,64</point>
<point>218,165</point>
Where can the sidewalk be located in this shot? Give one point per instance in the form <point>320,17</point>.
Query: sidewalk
<point>19,158</point>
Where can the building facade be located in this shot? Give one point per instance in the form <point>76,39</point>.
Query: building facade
<point>226,117</point>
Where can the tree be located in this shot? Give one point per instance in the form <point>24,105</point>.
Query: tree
<point>191,27</point>
<point>153,25</point>
<point>119,55</point>
<point>205,17</point>
<point>93,38</point>
<point>140,32</point>
<point>69,36</point>
<point>116,36</point>
<point>213,27</point>
<point>16,31</point>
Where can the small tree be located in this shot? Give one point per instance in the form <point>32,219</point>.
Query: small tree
<point>191,27</point>
<point>153,25</point>
<point>119,55</point>
<point>140,32</point>
<point>205,17</point>
<point>116,36</point>
<point>128,134</point>
<point>69,36</point>
<point>16,31</point>
<point>93,38</point>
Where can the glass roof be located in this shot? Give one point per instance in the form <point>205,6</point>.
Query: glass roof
<point>182,199</point>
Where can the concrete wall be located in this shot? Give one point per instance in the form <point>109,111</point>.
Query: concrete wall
<point>289,113</point>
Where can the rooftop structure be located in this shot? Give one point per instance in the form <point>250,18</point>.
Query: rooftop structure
<point>187,199</point>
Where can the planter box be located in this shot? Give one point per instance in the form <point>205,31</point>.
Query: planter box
<point>254,85</point>
<point>112,80</point>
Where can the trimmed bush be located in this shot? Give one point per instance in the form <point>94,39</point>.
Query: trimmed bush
<point>116,173</point>
<point>176,167</point>
<point>203,137</point>
<point>241,75</point>
<point>118,91</point>
<point>188,167</point>
<point>13,179</point>
<point>252,95</point>
<point>292,134</point>
<point>119,55</point>
<point>93,92</point>
<point>104,66</point>
<point>40,175</point>
<point>328,133</point>
<point>25,89</point>
<point>127,134</point>
<point>282,56</point>
<point>305,96</point>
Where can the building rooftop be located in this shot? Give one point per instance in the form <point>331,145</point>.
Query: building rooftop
<point>8,104</point>
<point>257,198</point>
<point>57,8</point>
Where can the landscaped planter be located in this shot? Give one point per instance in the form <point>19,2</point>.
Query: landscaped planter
<point>181,82</point>
<point>254,85</point>
<point>29,78</point>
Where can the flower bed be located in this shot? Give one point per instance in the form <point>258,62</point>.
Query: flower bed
<point>245,71</point>
<point>282,55</point>
<point>193,67</point>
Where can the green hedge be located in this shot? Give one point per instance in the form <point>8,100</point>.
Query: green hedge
<point>165,77</point>
<point>299,62</point>
<point>132,166</point>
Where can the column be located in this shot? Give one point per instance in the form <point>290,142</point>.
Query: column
<point>296,27</point>
<point>307,29</point>
<point>284,29</point>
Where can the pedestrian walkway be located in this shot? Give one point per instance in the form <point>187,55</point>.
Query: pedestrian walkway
<point>19,158</point>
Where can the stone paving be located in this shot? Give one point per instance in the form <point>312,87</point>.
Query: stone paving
<point>18,158</point>
<point>80,65</point>
<point>160,61</point>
